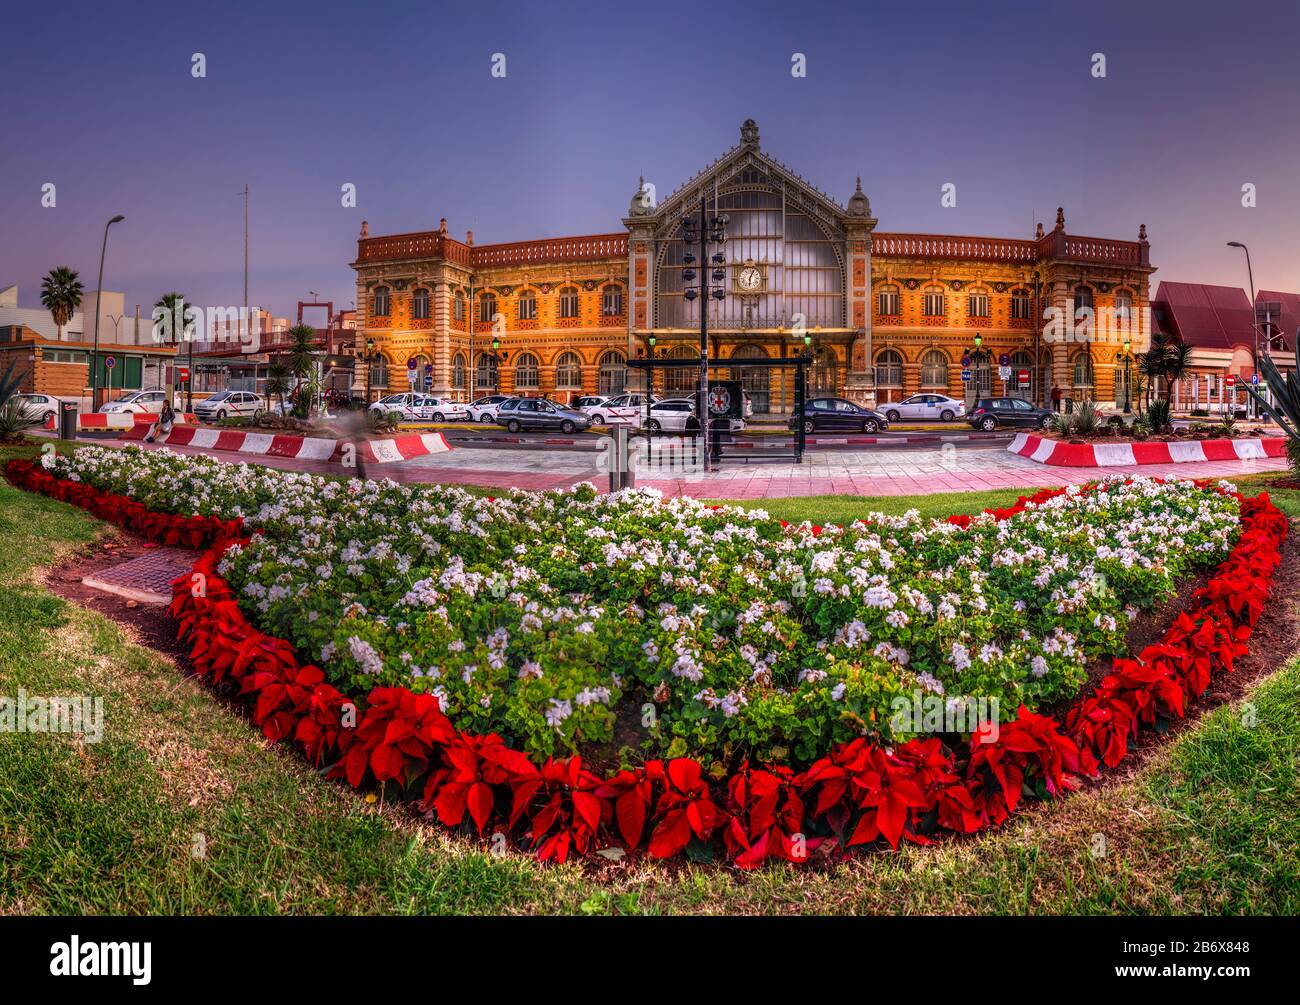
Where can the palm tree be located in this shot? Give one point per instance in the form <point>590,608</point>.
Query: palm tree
<point>278,377</point>
<point>174,304</point>
<point>61,292</point>
<point>302,364</point>
<point>1168,359</point>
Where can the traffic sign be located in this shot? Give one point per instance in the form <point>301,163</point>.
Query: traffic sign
<point>1023,378</point>
<point>1254,379</point>
<point>428,368</point>
<point>1230,380</point>
<point>110,362</point>
<point>428,381</point>
<point>965,360</point>
<point>410,363</point>
<point>1004,372</point>
<point>1004,360</point>
<point>184,372</point>
<point>965,376</point>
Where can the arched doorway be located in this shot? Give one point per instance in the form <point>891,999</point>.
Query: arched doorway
<point>825,378</point>
<point>681,381</point>
<point>754,379</point>
<point>889,375</point>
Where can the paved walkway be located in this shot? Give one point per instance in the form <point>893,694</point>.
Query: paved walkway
<point>874,472</point>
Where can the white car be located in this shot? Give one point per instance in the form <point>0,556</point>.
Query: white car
<point>137,401</point>
<point>428,408</point>
<point>485,409</point>
<point>37,407</point>
<point>224,404</point>
<point>677,415</point>
<point>925,408</point>
<point>623,408</point>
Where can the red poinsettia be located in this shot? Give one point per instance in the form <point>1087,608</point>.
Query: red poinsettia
<point>1100,726</point>
<point>562,802</point>
<point>766,817</point>
<point>475,766</point>
<point>685,806</point>
<point>880,789</point>
<point>395,737</point>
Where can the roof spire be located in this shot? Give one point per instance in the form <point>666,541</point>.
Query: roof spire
<point>749,133</point>
<point>1060,218</point>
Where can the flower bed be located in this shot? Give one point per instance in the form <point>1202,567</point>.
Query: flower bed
<point>862,783</point>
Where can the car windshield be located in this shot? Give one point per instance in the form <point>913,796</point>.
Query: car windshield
<point>219,396</point>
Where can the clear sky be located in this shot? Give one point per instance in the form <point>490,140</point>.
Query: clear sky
<point>998,99</point>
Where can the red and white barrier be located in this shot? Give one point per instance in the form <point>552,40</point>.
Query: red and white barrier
<point>310,448</point>
<point>1104,455</point>
<point>105,420</point>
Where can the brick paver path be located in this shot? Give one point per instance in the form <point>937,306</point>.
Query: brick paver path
<point>147,578</point>
<point>865,472</point>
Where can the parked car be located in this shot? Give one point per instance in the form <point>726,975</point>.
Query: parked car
<point>925,407</point>
<point>37,407</point>
<point>990,413</point>
<point>677,415</point>
<point>588,401</point>
<point>137,401</point>
<point>840,415</point>
<point>485,409</point>
<point>429,408</point>
<point>539,413</point>
<point>224,404</point>
<point>620,408</point>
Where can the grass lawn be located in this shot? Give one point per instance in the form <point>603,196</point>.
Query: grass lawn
<point>183,807</point>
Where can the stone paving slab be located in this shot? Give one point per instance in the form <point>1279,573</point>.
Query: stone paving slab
<point>146,579</point>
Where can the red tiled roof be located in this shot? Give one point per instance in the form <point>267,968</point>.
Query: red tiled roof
<point>1212,317</point>
<point>1290,319</point>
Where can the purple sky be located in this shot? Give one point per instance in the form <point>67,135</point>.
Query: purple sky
<point>998,99</point>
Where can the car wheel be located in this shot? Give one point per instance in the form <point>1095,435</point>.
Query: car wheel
<point>567,427</point>
<point>598,420</point>
<point>513,425</point>
<point>871,426</point>
<point>947,415</point>
<point>1045,422</point>
<point>47,416</point>
<point>221,414</point>
<point>892,415</point>
<point>809,426</point>
<point>652,425</point>
<point>988,423</point>
<point>437,417</point>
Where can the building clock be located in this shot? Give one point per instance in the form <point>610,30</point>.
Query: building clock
<point>750,278</point>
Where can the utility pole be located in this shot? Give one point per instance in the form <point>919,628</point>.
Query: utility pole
<point>247,320</point>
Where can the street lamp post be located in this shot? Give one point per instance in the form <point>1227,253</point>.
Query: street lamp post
<point>704,232</point>
<point>1128,383</point>
<point>980,359</point>
<point>370,366</point>
<point>1254,324</point>
<point>94,355</point>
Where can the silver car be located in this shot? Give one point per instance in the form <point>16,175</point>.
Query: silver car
<point>540,413</point>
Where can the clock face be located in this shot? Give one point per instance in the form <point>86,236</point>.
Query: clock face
<point>749,279</point>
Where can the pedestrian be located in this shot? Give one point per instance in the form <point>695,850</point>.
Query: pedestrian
<point>1056,398</point>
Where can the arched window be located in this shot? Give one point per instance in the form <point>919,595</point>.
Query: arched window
<point>824,372</point>
<point>1123,314</point>
<point>934,369</point>
<point>1083,371</point>
<point>888,302</point>
<point>381,307</point>
<point>485,373</point>
<point>527,304</point>
<point>612,302</point>
<point>568,371</point>
<point>977,303</point>
<point>458,371</point>
<point>1020,305</point>
<point>460,306</point>
<point>420,304</point>
<point>889,368</point>
<point>378,371</point>
<point>932,303</point>
<point>487,307</point>
<point>569,302</point>
<point>527,372</point>
<point>613,373</point>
